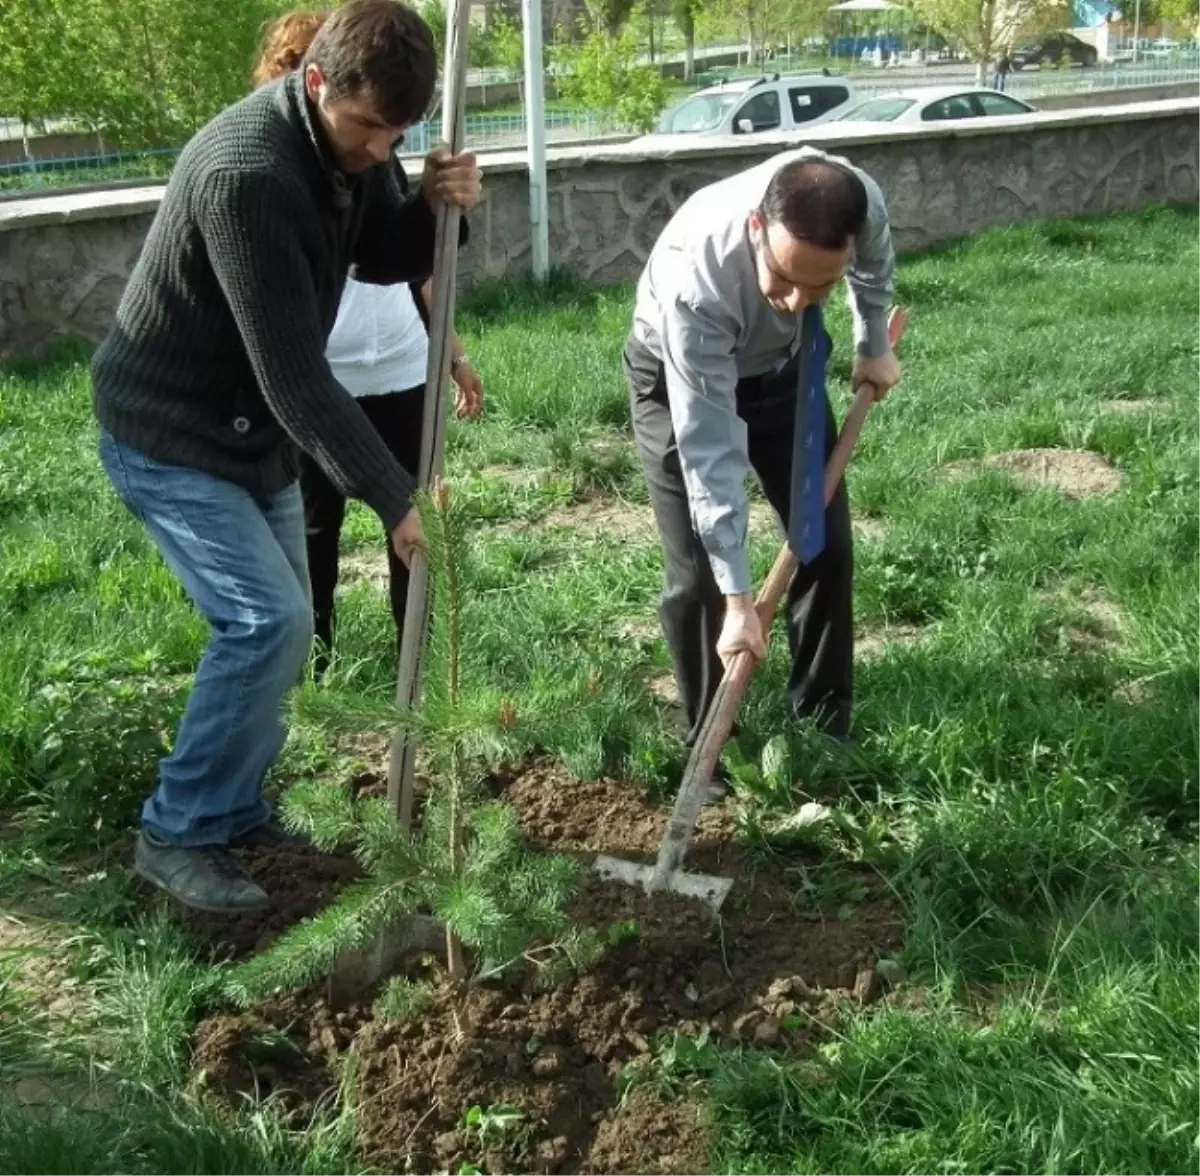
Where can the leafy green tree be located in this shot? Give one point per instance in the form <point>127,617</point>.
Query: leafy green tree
<point>986,27</point>
<point>434,14</point>
<point>500,43</point>
<point>608,16</point>
<point>35,73</point>
<point>765,23</point>
<point>683,13</point>
<point>1182,15</point>
<point>602,72</point>
<point>142,72</point>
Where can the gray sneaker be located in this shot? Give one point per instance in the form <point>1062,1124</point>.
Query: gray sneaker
<point>206,877</point>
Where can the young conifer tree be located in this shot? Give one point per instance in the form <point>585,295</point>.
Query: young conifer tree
<point>466,865</point>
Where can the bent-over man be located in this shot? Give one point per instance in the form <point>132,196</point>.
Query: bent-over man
<point>725,364</point>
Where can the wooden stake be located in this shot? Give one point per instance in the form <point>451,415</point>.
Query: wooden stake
<point>414,634</point>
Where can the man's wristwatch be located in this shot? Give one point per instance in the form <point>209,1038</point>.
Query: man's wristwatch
<point>456,361</point>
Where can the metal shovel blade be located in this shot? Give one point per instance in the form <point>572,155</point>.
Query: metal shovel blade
<point>707,888</point>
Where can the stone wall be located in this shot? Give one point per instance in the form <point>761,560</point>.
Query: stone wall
<point>1116,96</point>
<point>942,182</point>
<point>64,259</point>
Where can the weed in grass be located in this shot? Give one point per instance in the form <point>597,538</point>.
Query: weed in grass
<point>149,993</point>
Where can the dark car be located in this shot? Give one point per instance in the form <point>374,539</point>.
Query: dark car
<point>1051,49</point>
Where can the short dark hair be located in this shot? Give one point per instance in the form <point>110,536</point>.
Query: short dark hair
<point>380,50</point>
<point>817,201</point>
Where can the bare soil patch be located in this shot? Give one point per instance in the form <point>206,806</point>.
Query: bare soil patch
<point>365,565</point>
<point>1075,473</point>
<point>868,529</point>
<point>772,971</point>
<point>1095,623</point>
<point>604,518</point>
<point>873,643</point>
<point>301,882</point>
<point>1100,625</point>
<point>40,968</point>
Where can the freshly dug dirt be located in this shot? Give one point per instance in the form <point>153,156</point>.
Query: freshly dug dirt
<point>542,1065</point>
<point>1075,473</point>
<point>301,883</point>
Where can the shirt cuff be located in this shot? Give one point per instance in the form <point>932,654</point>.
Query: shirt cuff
<point>731,570</point>
<point>871,334</point>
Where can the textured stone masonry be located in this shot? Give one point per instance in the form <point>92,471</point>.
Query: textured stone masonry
<point>64,259</point>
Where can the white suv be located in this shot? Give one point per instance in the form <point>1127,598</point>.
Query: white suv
<point>757,105</point>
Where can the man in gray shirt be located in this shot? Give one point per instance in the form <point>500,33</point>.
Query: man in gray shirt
<point>725,365</point>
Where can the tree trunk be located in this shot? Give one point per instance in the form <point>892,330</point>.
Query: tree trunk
<point>689,51</point>
<point>26,145</point>
<point>981,71</point>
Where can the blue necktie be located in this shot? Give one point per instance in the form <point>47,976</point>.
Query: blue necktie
<point>806,523</point>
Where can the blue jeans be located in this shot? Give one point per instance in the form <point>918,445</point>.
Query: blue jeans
<point>242,561</point>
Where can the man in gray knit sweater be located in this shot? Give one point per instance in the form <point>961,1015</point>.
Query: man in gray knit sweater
<point>213,378</point>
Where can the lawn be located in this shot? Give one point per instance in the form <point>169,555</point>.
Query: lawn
<point>991,935</point>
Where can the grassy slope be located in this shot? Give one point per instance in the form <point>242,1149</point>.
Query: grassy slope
<point>1028,777</point>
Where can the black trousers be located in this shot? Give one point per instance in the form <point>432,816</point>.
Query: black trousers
<point>820,620</point>
<point>397,419</point>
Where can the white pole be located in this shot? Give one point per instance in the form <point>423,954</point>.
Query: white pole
<point>535,129</point>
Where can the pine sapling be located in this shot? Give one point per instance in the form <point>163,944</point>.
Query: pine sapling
<point>500,904</point>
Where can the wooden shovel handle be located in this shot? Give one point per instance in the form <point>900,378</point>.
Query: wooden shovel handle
<point>721,714</point>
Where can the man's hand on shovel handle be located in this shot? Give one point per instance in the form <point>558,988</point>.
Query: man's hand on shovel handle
<point>742,631</point>
<point>408,537</point>
<point>882,372</point>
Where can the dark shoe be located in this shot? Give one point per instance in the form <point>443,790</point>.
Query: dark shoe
<point>204,877</point>
<point>271,834</point>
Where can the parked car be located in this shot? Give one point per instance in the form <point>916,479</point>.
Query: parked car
<point>1051,49</point>
<point>924,104</point>
<point>755,106</point>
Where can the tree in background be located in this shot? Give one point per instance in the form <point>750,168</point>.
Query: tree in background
<point>433,12</point>
<point>33,77</point>
<point>499,43</point>
<point>603,71</point>
<point>986,27</point>
<point>683,13</point>
<point>1181,15</point>
<point>143,73</point>
<point>766,23</point>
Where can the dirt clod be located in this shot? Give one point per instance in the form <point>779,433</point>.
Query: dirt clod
<point>1075,473</point>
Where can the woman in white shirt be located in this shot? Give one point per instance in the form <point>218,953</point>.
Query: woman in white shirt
<point>378,351</point>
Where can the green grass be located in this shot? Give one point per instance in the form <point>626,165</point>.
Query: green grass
<point>1027,779</point>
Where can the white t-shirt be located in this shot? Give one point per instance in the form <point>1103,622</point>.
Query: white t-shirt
<point>378,343</point>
